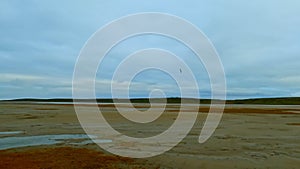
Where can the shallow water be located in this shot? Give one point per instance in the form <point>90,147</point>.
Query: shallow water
<point>92,141</point>
<point>11,132</point>
<point>16,142</point>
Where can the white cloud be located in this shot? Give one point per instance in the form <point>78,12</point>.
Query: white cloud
<point>258,42</point>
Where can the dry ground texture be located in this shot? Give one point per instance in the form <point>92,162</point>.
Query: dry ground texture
<point>248,136</point>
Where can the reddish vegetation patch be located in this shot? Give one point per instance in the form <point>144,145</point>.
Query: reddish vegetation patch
<point>247,110</point>
<point>202,109</point>
<point>253,110</point>
<point>293,124</point>
<point>62,158</point>
<point>46,109</point>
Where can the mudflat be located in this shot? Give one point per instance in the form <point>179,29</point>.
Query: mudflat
<point>39,135</point>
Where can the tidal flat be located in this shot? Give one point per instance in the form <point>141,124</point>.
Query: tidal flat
<point>248,136</point>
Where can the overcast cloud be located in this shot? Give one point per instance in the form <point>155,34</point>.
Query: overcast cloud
<point>257,41</point>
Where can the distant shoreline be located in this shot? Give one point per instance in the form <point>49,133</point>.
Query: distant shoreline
<point>264,101</point>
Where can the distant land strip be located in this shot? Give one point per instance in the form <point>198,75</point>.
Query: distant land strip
<point>262,101</point>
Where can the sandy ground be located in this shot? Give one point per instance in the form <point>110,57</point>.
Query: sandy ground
<point>248,136</point>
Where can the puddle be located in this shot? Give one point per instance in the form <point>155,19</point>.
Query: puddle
<point>16,142</point>
<point>10,132</point>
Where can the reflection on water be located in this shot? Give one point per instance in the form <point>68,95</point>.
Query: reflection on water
<point>78,139</point>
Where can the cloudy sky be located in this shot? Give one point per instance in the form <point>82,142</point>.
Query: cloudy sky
<point>258,43</point>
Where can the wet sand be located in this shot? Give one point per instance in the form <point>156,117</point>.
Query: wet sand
<point>248,136</point>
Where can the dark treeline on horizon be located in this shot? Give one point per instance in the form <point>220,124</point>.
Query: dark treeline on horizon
<point>271,101</point>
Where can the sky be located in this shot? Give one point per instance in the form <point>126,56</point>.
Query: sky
<point>257,41</point>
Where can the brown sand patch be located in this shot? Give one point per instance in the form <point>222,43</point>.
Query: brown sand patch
<point>61,158</point>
